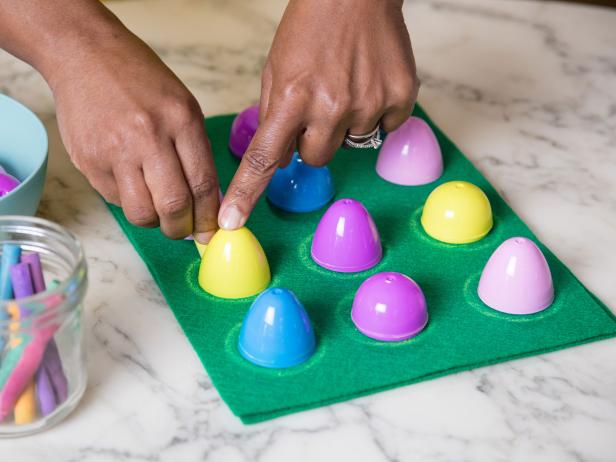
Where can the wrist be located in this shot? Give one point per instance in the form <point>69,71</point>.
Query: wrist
<point>53,34</point>
<point>355,3</point>
<point>71,49</point>
<point>346,8</point>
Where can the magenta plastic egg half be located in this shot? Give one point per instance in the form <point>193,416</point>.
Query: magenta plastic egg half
<point>243,129</point>
<point>7,183</point>
<point>346,239</point>
<point>389,307</point>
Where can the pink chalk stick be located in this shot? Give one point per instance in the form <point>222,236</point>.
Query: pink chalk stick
<point>30,361</point>
<point>24,370</point>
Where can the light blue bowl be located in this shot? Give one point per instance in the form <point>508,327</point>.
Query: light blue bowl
<point>23,154</point>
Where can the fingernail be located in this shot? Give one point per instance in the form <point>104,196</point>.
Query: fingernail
<point>204,238</point>
<point>231,218</point>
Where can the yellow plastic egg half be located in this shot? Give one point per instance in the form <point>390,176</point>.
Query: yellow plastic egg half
<point>234,265</point>
<point>457,212</point>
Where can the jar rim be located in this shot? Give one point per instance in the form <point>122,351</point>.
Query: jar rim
<point>63,288</point>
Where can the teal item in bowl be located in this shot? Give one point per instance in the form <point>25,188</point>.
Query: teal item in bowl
<point>23,154</point>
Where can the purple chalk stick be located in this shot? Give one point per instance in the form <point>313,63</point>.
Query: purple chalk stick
<point>53,365</point>
<point>36,271</point>
<point>21,279</point>
<point>44,392</point>
<point>24,370</point>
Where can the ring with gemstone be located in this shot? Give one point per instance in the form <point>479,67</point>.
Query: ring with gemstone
<point>370,140</point>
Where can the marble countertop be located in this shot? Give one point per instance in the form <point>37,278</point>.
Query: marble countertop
<point>527,89</point>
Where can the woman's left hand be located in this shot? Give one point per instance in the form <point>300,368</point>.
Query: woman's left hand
<point>336,67</point>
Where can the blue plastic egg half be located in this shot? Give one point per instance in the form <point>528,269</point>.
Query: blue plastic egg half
<point>300,188</point>
<point>277,332</point>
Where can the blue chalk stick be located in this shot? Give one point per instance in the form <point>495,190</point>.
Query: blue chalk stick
<point>11,254</point>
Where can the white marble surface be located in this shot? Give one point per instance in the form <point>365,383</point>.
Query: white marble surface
<point>527,89</point>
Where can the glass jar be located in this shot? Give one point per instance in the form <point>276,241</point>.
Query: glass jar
<point>42,363</point>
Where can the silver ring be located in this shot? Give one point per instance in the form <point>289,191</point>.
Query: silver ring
<point>370,140</point>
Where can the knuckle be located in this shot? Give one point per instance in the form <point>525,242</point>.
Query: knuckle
<point>259,162</point>
<point>365,117</point>
<point>111,199</point>
<point>175,205</point>
<point>367,108</point>
<point>404,89</point>
<point>318,146</point>
<point>315,161</point>
<point>143,122</point>
<point>175,233</point>
<point>114,142</point>
<point>392,124</point>
<point>334,105</point>
<point>105,148</point>
<point>293,93</point>
<point>143,217</point>
<point>204,188</point>
<point>184,110</point>
<point>109,194</point>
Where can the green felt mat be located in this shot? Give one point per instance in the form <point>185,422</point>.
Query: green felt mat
<point>462,333</point>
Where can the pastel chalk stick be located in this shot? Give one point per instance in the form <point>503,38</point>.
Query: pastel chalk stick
<point>12,309</point>
<point>26,357</point>
<point>21,280</point>
<point>36,270</point>
<point>53,365</point>
<point>24,369</point>
<point>10,256</point>
<point>32,352</point>
<point>11,359</point>
<point>45,396</point>
<point>25,406</point>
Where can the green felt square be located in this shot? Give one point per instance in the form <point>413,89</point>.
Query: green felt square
<point>462,333</point>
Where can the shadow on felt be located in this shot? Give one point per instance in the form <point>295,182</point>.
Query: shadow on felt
<point>392,226</point>
<point>275,254</point>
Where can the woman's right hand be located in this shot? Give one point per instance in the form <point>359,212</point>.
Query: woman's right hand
<point>136,132</point>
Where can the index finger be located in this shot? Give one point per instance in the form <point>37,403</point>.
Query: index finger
<point>271,142</point>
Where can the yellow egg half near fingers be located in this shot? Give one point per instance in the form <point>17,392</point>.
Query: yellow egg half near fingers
<point>457,212</point>
<point>234,265</point>
<point>200,247</point>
